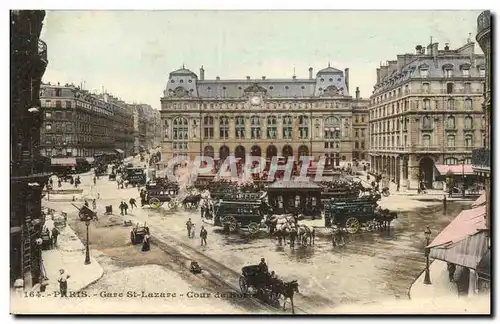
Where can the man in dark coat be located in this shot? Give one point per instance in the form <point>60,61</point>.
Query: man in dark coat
<point>132,203</point>
<point>263,266</point>
<point>189,225</point>
<point>203,236</point>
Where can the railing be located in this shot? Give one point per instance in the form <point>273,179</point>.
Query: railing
<point>42,49</point>
<point>427,148</point>
<point>481,157</point>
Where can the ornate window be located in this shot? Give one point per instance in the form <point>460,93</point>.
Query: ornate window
<point>208,127</point>
<point>426,140</point>
<point>448,73</point>
<point>272,128</point>
<point>482,73</point>
<point>425,87</point>
<point>468,141</point>
<point>332,132</point>
<point>239,127</point>
<point>465,73</point>
<point>450,122</point>
<point>303,127</point>
<point>424,73</point>
<point>451,141</point>
<point>287,126</point>
<point>468,104</point>
<point>180,133</point>
<point>255,127</point>
<point>468,122</point>
<point>450,104</point>
<point>451,161</point>
<point>427,123</point>
<point>427,104</point>
<point>224,127</point>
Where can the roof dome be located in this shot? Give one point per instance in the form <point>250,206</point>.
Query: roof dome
<point>182,71</point>
<point>329,70</point>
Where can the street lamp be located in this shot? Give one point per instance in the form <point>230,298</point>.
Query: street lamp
<point>427,233</point>
<point>87,251</point>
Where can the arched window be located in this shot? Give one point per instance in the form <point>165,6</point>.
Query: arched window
<point>469,141</point>
<point>451,141</point>
<point>468,122</point>
<point>240,127</point>
<point>450,122</point>
<point>255,127</point>
<point>224,127</point>
<point>272,127</point>
<point>180,133</point>
<point>303,127</point>
<point>427,123</point>
<point>332,132</point>
<point>451,161</point>
<point>208,127</point>
<point>287,126</point>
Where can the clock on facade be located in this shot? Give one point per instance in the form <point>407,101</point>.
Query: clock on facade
<point>255,101</point>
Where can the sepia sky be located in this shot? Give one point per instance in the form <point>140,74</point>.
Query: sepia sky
<point>131,53</point>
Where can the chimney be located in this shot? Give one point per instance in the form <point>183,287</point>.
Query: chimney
<point>378,75</point>
<point>418,49</point>
<point>248,77</point>
<point>202,73</point>
<point>294,77</point>
<point>217,78</point>
<point>263,77</point>
<point>435,48</point>
<point>447,46</point>
<point>357,93</point>
<point>310,73</point>
<point>346,74</point>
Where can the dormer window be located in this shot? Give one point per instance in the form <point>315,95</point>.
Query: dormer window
<point>466,73</point>
<point>424,73</point>
<point>448,73</point>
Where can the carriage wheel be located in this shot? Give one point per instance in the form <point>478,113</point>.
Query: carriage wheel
<point>154,203</point>
<point>253,228</point>
<point>352,225</point>
<point>230,222</point>
<point>243,285</point>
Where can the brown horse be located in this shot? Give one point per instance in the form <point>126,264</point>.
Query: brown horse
<point>287,290</point>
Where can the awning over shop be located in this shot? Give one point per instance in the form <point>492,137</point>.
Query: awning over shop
<point>458,169</point>
<point>69,161</point>
<point>119,151</point>
<point>464,240</point>
<point>480,201</point>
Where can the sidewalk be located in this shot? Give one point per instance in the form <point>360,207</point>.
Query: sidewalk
<point>440,287</point>
<point>70,256</point>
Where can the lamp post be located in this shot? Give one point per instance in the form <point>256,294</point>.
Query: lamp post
<point>87,251</point>
<point>427,232</point>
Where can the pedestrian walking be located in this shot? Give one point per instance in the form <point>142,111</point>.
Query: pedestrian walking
<point>63,283</point>
<point>203,236</point>
<point>95,180</point>
<point>189,224</point>
<point>86,203</point>
<point>121,208</point>
<point>125,207</point>
<point>193,229</point>
<point>55,234</point>
<point>94,204</point>
<point>132,203</point>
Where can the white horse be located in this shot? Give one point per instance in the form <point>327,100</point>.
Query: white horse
<point>305,234</point>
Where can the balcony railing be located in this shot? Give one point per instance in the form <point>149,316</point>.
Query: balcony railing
<point>481,158</point>
<point>42,49</point>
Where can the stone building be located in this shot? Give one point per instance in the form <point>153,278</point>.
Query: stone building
<point>144,127</point>
<point>78,123</point>
<point>426,111</point>
<point>158,129</point>
<point>28,169</point>
<point>265,117</point>
<point>481,157</point>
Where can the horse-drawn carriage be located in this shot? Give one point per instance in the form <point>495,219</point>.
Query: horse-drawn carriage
<point>159,193</point>
<point>352,214</point>
<point>267,287</point>
<point>135,176</point>
<point>340,189</point>
<point>242,211</point>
